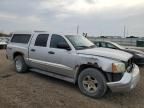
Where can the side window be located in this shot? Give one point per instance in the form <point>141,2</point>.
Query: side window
<point>41,40</point>
<point>55,40</point>
<point>21,38</point>
<point>110,46</point>
<point>97,44</point>
<point>103,44</point>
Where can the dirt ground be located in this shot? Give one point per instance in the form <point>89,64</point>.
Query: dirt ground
<point>32,90</point>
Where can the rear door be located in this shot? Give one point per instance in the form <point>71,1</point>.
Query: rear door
<point>38,51</point>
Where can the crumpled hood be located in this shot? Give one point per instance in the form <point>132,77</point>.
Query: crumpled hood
<point>106,52</point>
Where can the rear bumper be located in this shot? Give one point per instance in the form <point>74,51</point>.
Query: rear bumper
<point>128,81</point>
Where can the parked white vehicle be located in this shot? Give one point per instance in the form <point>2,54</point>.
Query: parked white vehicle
<point>3,42</point>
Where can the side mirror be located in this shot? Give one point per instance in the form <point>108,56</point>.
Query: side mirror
<point>63,46</point>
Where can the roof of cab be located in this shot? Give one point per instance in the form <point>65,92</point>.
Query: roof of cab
<point>29,32</point>
<point>39,31</point>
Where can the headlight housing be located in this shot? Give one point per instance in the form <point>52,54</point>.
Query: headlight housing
<point>118,67</point>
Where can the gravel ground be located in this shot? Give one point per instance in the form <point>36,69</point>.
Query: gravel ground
<point>32,90</point>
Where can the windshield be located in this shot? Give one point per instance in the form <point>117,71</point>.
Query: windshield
<point>119,46</point>
<point>80,42</point>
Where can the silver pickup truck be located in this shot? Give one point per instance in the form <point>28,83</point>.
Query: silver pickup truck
<point>75,59</point>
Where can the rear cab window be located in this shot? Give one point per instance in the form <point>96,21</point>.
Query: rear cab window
<point>21,38</point>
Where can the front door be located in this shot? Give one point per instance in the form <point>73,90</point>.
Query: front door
<point>62,60</point>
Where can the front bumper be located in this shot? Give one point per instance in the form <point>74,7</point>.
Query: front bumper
<point>128,81</point>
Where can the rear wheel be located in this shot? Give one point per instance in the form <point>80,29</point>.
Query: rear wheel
<point>92,83</point>
<point>20,64</point>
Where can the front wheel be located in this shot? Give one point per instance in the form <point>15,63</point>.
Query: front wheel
<point>92,83</point>
<point>20,64</point>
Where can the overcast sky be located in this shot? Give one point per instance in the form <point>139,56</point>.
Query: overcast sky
<point>96,17</point>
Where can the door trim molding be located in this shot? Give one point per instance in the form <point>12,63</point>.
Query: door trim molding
<point>50,64</point>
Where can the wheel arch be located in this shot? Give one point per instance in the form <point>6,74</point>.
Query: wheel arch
<point>85,66</point>
<point>17,54</point>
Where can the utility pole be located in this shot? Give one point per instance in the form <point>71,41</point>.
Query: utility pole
<point>124,32</point>
<point>77,29</point>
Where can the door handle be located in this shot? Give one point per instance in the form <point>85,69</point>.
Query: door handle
<point>33,50</point>
<point>51,52</point>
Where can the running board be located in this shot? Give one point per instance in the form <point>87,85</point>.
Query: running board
<point>53,75</point>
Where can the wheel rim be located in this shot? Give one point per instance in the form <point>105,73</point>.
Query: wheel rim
<point>18,65</point>
<point>90,84</point>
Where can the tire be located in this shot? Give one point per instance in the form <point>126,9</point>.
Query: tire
<point>20,64</point>
<point>92,83</point>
